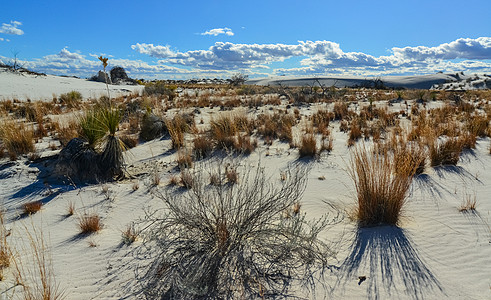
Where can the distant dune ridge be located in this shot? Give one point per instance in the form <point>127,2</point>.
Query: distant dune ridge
<point>436,81</point>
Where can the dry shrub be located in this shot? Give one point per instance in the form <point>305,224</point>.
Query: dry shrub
<point>233,241</point>
<point>446,152</point>
<point>308,146</point>
<point>174,180</point>
<point>30,208</point>
<point>381,193</point>
<point>89,223</point>
<point>16,138</point>
<point>71,99</point>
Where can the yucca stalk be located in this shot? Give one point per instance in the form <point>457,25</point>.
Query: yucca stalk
<point>104,65</point>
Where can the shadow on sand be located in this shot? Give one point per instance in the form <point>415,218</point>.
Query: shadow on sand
<point>390,263</point>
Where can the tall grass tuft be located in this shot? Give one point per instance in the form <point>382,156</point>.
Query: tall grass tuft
<point>381,192</point>
<point>16,137</point>
<point>446,152</point>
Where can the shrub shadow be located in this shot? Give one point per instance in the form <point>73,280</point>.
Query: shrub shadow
<point>386,257</point>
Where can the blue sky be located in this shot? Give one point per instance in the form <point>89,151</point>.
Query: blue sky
<point>194,39</point>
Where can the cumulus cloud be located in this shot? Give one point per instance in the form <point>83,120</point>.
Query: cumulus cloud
<point>11,28</point>
<point>326,57</point>
<point>479,49</point>
<point>217,31</point>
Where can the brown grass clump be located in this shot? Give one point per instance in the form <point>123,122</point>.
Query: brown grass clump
<point>16,137</point>
<point>70,209</point>
<point>184,159</point>
<point>409,158</point>
<point>30,208</point>
<point>381,193</point>
<point>340,110</point>
<point>176,134</point>
<point>245,144</point>
<point>89,223</point>
<point>308,146</point>
<point>445,153</point>
<point>276,126</point>
<point>202,146</point>
<point>224,128</point>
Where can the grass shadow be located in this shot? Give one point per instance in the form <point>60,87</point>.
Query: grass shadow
<point>388,260</point>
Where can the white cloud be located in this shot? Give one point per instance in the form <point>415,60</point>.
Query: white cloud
<point>305,57</point>
<point>217,31</point>
<point>327,57</point>
<point>11,28</point>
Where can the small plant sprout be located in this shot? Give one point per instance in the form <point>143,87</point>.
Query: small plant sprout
<point>129,235</point>
<point>468,204</point>
<point>70,209</point>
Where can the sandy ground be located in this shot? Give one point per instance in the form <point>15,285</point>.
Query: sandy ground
<point>22,86</point>
<point>436,253</point>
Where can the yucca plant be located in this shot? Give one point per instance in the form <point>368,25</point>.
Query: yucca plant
<point>91,129</point>
<point>112,158</point>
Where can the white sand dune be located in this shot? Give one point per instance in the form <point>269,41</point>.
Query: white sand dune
<point>436,253</point>
<point>23,86</point>
<point>409,82</point>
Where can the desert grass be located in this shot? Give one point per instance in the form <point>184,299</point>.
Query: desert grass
<point>34,272</point>
<point>232,241</point>
<point>16,137</point>
<point>89,223</point>
<point>409,158</point>
<point>70,209</point>
<point>129,235</point>
<point>5,252</point>
<point>184,159</point>
<point>381,193</point>
<point>445,152</point>
<point>308,146</point>
<point>202,146</point>
<point>71,99</point>
<point>30,208</point>
<point>468,204</point>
